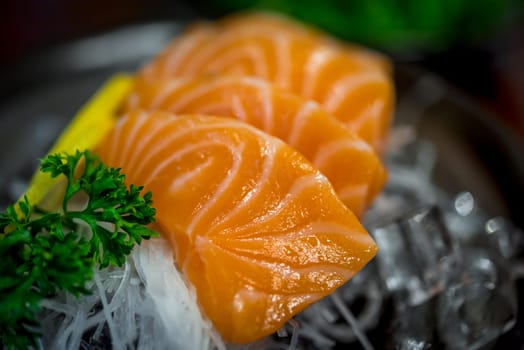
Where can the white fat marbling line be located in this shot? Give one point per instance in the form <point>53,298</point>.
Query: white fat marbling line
<point>179,130</point>
<point>370,116</point>
<point>328,150</point>
<point>129,141</point>
<point>270,150</point>
<point>179,51</point>
<point>255,82</point>
<point>267,105</point>
<point>231,84</point>
<point>313,69</point>
<point>283,62</point>
<point>193,92</point>
<point>372,112</point>
<point>202,56</point>
<point>232,173</point>
<point>183,178</point>
<point>283,269</point>
<point>300,120</point>
<point>300,184</point>
<point>345,86</point>
<point>310,230</point>
<point>231,41</point>
<point>359,238</point>
<point>165,142</point>
<point>230,60</point>
<point>259,60</point>
<point>208,53</point>
<point>175,157</point>
<point>114,149</point>
<point>167,89</point>
<point>238,108</point>
<point>354,193</point>
<point>141,144</point>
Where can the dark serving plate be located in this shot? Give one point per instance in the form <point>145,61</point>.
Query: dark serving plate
<point>40,95</point>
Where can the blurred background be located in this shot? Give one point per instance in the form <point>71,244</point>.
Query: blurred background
<point>459,64</point>
<point>476,45</point>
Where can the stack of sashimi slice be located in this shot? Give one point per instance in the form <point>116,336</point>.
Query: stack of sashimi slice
<point>258,138</point>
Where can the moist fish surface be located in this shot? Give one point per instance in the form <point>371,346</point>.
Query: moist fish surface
<point>351,83</point>
<point>349,163</point>
<point>256,229</point>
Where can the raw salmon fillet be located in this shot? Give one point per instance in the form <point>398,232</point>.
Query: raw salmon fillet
<point>350,164</point>
<point>278,24</point>
<point>358,91</point>
<point>257,230</point>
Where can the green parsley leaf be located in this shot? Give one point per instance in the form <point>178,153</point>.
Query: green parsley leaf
<point>44,253</point>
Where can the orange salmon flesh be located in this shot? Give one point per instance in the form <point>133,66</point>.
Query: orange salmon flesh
<point>350,164</point>
<point>352,83</point>
<point>256,229</point>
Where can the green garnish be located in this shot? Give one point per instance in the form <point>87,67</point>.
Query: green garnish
<point>42,253</point>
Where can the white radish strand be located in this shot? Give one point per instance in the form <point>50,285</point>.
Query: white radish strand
<point>176,304</point>
<point>144,305</point>
<point>351,320</point>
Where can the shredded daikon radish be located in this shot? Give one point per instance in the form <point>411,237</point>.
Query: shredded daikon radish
<point>176,304</point>
<point>144,305</point>
<point>147,304</point>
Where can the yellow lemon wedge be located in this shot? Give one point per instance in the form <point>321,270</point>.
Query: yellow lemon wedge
<point>85,131</point>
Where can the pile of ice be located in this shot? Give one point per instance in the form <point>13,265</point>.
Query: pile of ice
<point>444,276</point>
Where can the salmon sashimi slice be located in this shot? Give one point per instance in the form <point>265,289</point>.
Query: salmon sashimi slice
<point>256,229</point>
<point>356,91</point>
<point>351,165</point>
<point>277,23</point>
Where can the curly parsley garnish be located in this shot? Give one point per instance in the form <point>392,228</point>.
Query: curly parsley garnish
<point>42,253</point>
